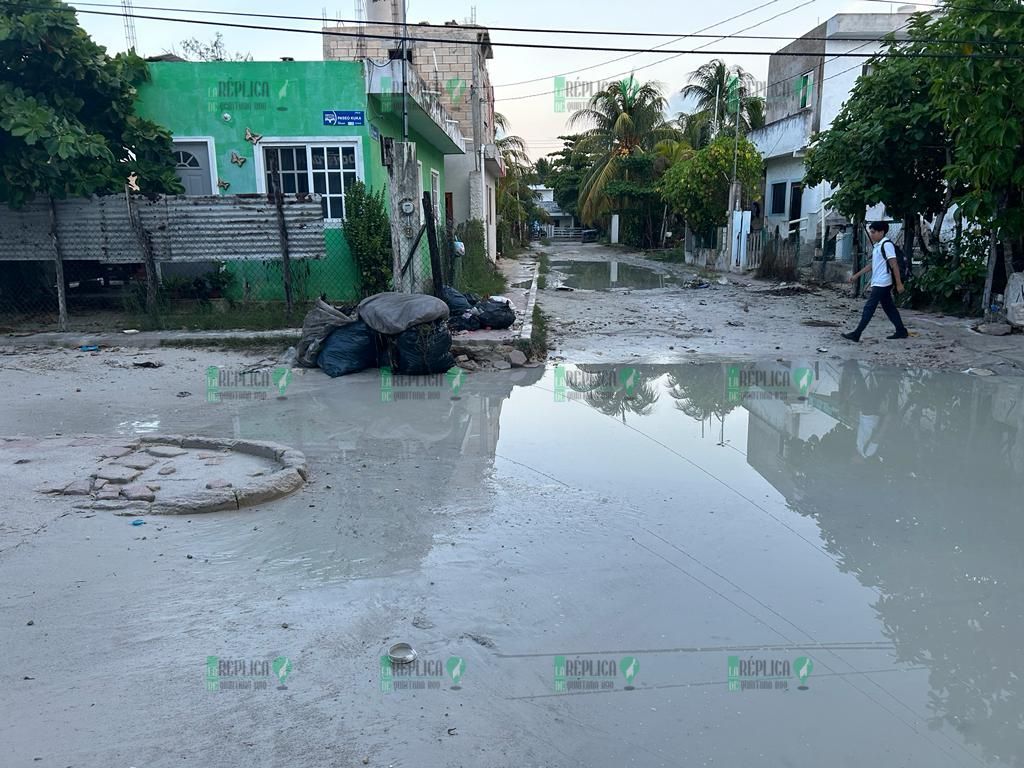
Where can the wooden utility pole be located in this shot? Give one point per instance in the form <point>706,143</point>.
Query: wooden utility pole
<point>403,192</point>
<point>993,255</point>
<point>437,278</point>
<point>282,231</point>
<point>58,258</point>
<point>152,282</point>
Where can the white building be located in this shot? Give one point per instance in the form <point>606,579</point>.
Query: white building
<point>809,81</point>
<point>559,219</point>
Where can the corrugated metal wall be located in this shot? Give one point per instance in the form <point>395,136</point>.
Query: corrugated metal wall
<point>182,229</point>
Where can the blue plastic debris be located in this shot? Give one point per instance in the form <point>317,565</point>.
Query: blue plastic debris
<point>136,521</point>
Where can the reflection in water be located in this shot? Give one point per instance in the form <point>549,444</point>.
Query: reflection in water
<point>403,452</point>
<point>608,275</point>
<point>915,479</point>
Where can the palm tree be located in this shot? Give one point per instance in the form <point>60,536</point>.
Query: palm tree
<point>625,119</point>
<point>715,111</point>
<point>512,148</point>
<point>669,152</point>
<point>515,201</point>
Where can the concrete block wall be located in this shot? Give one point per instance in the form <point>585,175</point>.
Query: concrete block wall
<point>452,77</point>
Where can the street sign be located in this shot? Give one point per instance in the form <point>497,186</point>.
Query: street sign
<point>344,117</point>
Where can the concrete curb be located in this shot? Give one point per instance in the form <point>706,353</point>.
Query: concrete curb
<point>152,339</point>
<point>291,475</point>
<point>526,332</point>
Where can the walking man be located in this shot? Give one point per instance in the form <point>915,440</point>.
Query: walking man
<point>884,270</point>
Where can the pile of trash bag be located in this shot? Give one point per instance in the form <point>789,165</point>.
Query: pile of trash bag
<point>349,349</point>
<point>406,332</point>
<point>469,313</point>
<point>320,322</point>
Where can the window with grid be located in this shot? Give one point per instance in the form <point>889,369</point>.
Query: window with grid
<point>778,199</point>
<point>328,170</point>
<point>287,169</point>
<point>333,169</point>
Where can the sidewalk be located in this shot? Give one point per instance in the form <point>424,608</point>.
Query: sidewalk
<point>521,275</point>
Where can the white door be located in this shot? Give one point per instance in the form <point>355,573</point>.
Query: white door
<point>192,164</point>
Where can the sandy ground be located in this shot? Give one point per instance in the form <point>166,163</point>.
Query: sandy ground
<point>745,320</point>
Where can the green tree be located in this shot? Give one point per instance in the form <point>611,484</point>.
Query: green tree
<point>887,145</point>
<point>625,119</point>
<point>976,94</point>
<point>68,126</point>
<point>368,234</point>
<point>569,168</point>
<point>195,49</point>
<point>516,203</point>
<point>698,187</point>
<point>719,90</point>
<point>543,169</point>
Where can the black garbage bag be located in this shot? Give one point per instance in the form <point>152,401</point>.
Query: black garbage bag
<point>320,322</point>
<point>472,298</point>
<point>495,314</point>
<point>467,321</point>
<point>349,349</point>
<point>422,349</point>
<point>456,301</point>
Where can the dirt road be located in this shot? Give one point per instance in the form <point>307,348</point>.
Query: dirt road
<point>744,319</point>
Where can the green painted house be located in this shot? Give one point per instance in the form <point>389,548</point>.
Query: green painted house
<point>314,127</point>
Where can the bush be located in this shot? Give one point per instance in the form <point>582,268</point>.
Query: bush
<point>478,274</point>
<point>953,288</point>
<point>368,232</point>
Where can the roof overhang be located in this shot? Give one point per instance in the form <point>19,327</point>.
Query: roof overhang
<point>427,116</point>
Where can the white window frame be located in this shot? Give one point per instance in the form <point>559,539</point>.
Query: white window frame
<point>272,142</point>
<point>210,154</point>
<point>423,212</point>
<point>810,90</point>
<point>435,192</point>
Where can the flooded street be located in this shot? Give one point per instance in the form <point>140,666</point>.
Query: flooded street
<point>598,565</point>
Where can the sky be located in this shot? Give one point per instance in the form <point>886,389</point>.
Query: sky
<point>523,77</point>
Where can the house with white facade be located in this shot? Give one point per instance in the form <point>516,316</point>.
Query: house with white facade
<point>557,218</point>
<point>809,80</point>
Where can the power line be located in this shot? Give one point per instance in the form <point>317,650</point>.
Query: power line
<point>622,58</point>
<point>786,79</point>
<point>676,56</point>
<point>542,46</point>
<point>528,30</point>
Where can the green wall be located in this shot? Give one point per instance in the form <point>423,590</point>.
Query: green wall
<point>280,100</point>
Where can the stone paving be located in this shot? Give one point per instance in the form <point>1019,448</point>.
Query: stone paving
<point>166,474</point>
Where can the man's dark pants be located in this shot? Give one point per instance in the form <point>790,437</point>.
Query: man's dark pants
<point>880,295</point>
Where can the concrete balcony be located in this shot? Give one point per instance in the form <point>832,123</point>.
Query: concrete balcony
<point>427,116</point>
<point>493,160</point>
<point>787,137</point>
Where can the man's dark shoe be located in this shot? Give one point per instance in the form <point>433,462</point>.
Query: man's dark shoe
<point>899,335</point>
<point>851,337</point>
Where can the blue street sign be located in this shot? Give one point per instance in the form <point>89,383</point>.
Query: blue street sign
<point>344,117</point>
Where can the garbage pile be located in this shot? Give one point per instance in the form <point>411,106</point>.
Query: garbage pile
<point>409,333</point>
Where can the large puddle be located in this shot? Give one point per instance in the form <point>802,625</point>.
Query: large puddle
<point>607,276</point>
<point>749,564</point>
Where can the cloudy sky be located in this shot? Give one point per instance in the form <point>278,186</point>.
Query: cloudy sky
<point>523,77</point>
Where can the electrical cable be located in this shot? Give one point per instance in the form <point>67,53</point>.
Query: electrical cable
<point>543,46</point>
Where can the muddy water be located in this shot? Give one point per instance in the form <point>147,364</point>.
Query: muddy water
<point>607,276</point>
<point>701,528</point>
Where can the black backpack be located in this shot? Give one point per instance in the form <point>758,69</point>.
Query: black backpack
<point>901,260</point>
